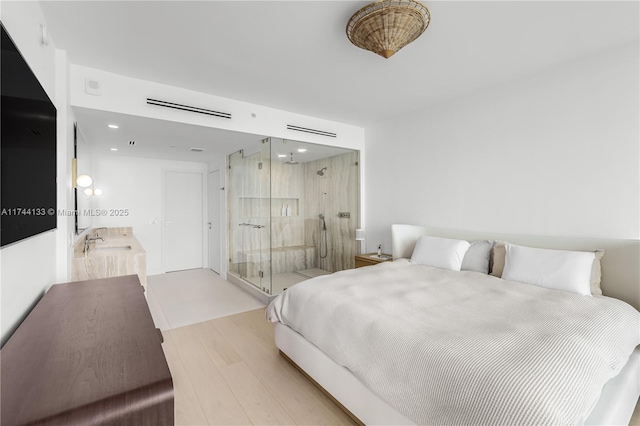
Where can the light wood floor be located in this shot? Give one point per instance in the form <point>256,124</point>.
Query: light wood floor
<point>227,371</point>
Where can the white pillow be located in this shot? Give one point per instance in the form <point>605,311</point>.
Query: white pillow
<point>555,269</point>
<point>478,256</point>
<point>439,252</point>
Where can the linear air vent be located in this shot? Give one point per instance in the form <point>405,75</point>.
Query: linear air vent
<point>315,132</point>
<point>196,149</point>
<point>188,108</point>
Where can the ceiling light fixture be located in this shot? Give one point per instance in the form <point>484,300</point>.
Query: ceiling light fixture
<point>113,126</point>
<point>386,26</point>
<point>114,149</point>
<point>302,150</point>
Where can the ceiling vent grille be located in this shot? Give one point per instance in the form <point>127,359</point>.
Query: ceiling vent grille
<point>196,149</point>
<point>313,131</point>
<point>188,108</point>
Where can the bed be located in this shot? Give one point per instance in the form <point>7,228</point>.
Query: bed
<point>491,362</point>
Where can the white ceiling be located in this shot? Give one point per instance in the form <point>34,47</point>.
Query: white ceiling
<point>294,55</point>
<point>173,141</point>
<point>154,138</point>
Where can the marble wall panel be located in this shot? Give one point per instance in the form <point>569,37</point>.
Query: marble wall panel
<point>340,184</point>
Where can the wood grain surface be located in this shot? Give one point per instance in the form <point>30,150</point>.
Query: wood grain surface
<point>88,353</point>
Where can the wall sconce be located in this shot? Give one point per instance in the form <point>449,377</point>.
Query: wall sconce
<point>84,181</point>
<point>91,192</point>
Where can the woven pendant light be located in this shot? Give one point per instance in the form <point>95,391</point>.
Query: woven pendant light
<point>386,26</point>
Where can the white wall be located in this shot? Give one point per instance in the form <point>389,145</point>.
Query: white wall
<point>556,153</point>
<point>65,234</point>
<point>136,184</point>
<point>29,267</point>
<point>220,164</point>
<point>126,95</point>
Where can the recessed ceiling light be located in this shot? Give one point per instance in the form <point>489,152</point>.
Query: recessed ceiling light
<point>282,155</point>
<point>302,150</point>
<point>113,126</point>
<point>114,149</point>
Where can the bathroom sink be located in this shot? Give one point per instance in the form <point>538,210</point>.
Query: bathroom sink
<point>113,248</point>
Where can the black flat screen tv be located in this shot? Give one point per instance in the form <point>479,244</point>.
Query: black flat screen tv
<point>28,154</point>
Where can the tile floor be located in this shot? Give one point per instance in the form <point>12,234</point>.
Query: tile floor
<point>177,299</point>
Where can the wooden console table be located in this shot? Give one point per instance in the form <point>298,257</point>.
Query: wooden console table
<point>88,353</point>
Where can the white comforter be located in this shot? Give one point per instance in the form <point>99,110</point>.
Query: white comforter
<point>458,348</point>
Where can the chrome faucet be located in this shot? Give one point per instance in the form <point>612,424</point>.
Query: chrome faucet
<point>97,231</point>
<point>87,240</point>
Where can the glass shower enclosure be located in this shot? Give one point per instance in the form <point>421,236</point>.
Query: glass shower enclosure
<point>250,207</point>
<point>293,212</point>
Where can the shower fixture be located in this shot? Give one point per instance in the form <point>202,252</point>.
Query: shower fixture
<point>291,161</point>
<point>324,224</point>
<point>323,249</point>
<point>321,172</point>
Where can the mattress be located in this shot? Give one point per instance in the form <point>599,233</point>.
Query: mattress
<point>461,347</point>
<point>615,405</point>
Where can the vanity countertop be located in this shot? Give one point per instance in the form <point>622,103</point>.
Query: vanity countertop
<point>114,243</point>
<point>119,254</point>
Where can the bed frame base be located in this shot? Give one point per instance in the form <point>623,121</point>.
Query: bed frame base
<point>323,390</point>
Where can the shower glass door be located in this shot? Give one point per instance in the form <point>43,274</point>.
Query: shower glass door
<point>250,216</point>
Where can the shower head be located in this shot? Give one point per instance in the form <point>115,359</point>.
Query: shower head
<point>321,172</point>
<point>291,161</point>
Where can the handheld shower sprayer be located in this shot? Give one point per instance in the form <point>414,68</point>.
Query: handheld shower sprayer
<point>323,248</point>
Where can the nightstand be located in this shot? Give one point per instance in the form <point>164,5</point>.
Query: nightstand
<point>368,259</point>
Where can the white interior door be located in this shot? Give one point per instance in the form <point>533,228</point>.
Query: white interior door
<point>183,221</point>
<point>214,221</point>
